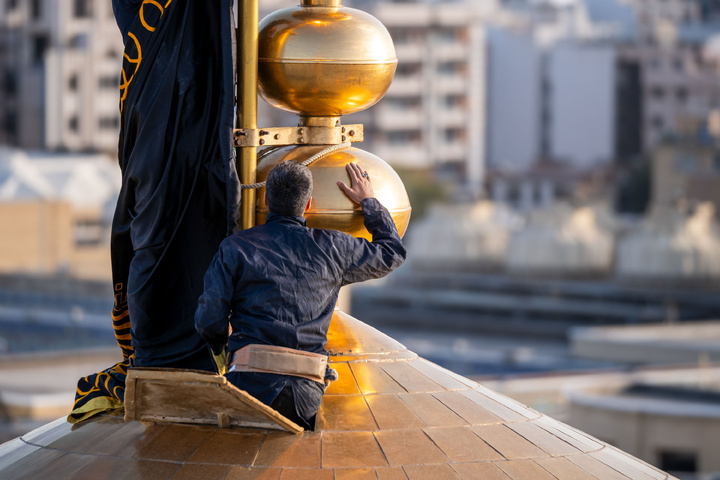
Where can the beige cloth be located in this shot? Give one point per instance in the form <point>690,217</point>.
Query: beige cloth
<point>280,360</point>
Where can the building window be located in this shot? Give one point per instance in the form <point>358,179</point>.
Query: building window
<point>716,163</point>
<point>678,64</point>
<point>78,41</point>
<point>446,68</point>
<point>10,82</point>
<point>11,5</point>
<point>658,122</point>
<point>658,92</point>
<point>11,124</point>
<point>36,9</point>
<point>73,124</point>
<point>681,94</point>
<point>88,233</point>
<point>109,82</point>
<point>73,83</point>
<point>673,462</point>
<point>398,138</point>
<point>107,123</point>
<point>686,163</point>
<point>39,47</point>
<point>82,9</point>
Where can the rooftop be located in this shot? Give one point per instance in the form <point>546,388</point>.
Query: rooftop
<point>391,415</point>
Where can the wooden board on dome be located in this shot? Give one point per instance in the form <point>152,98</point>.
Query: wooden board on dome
<point>167,395</point>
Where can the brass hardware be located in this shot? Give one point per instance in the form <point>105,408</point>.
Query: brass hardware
<point>323,59</point>
<point>289,136</point>
<point>330,206</point>
<point>247,66</point>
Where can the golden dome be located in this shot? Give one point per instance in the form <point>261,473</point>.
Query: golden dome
<point>391,415</point>
<point>324,60</point>
<point>330,207</point>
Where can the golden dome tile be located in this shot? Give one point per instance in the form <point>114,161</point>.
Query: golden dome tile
<point>462,445</point>
<point>510,444</point>
<point>345,384</point>
<point>409,447</point>
<point>371,379</point>
<point>466,408</point>
<point>351,449</point>
<point>503,410</point>
<point>355,474</point>
<point>563,468</point>
<point>282,450</point>
<point>176,443</point>
<point>347,412</point>
<point>431,411</point>
<point>201,472</point>
<point>245,473</point>
<point>409,378</point>
<point>525,470</point>
<point>390,473</point>
<point>299,474</point>
<point>431,472</point>
<point>551,444</point>
<point>391,412</point>
<point>485,471</point>
<point>229,446</point>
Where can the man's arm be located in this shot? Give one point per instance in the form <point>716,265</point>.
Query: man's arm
<point>386,252</point>
<point>215,304</point>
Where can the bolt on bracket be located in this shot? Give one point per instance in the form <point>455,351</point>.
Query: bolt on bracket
<point>303,135</point>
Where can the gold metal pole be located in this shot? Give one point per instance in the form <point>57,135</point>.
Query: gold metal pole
<point>247,58</point>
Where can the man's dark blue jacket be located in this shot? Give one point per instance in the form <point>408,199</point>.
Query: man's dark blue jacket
<point>279,283</point>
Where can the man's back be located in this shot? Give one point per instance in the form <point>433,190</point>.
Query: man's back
<point>279,283</point>
<point>282,279</point>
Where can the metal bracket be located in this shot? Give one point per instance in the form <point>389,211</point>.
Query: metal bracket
<point>313,135</point>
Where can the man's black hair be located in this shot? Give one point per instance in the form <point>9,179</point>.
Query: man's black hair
<point>289,186</point>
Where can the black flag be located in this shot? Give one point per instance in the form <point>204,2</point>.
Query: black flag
<point>179,189</point>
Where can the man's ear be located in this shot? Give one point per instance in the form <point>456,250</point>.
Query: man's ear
<point>265,198</point>
<point>309,204</point>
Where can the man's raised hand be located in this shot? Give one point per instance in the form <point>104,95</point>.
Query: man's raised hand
<point>360,187</point>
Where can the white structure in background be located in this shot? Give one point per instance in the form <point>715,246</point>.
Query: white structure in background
<point>672,245</point>
<point>59,75</point>
<point>55,213</point>
<point>562,240</point>
<point>433,115</point>
<point>551,98</point>
<point>581,99</point>
<point>514,99</point>
<point>467,235</point>
<point>85,181</point>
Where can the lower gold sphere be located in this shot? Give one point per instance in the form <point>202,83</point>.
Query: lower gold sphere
<point>331,208</point>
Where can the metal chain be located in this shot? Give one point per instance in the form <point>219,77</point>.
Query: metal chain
<point>307,162</point>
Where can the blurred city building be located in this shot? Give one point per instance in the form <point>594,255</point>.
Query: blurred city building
<point>434,114</point>
<point>55,213</point>
<point>59,75</point>
<point>686,165</point>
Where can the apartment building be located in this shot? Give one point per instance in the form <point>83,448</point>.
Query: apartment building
<point>59,75</point>
<point>433,115</point>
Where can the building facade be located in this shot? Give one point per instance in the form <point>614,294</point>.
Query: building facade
<point>433,116</point>
<point>59,75</point>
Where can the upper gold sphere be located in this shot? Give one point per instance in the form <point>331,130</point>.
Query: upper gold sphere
<point>331,208</point>
<point>319,60</point>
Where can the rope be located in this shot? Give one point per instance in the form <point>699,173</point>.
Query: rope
<point>307,162</point>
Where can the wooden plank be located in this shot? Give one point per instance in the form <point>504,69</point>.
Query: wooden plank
<point>186,396</point>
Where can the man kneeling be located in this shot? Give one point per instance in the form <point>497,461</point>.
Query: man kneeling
<point>278,284</point>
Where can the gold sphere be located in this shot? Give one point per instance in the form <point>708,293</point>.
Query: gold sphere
<point>331,208</point>
<point>324,60</point>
